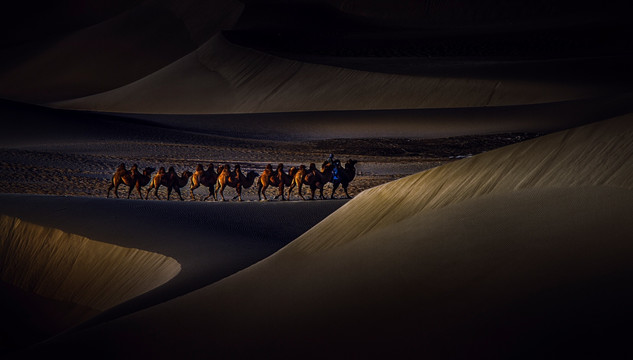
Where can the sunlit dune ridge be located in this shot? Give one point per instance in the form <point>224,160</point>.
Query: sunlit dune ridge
<point>599,154</point>
<point>221,77</point>
<point>68,267</point>
<point>514,252</point>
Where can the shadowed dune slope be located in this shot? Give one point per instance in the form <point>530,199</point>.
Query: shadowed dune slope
<point>221,77</point>
<point>68,267</point>
<point>117,51</point>
<point>52,280</point>
<point>514,253</point>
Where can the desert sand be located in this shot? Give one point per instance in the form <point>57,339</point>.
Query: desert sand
<point>444,263</point>
<point>491,205</point>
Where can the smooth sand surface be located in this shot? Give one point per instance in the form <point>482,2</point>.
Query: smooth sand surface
<point>520,252</point>
<point>221,77</point>
<point>400,123</point>
<point>205,241</point>
<point>66,267</point>
<point>117,51</point>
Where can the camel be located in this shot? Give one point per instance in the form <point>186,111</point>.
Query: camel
<point>312,177</point>
<point>206,178</point>
<point>276,178</point>
<point>169,179</point>
<point>234,179</point>
<point>132,178</point>
<point>343,176</point>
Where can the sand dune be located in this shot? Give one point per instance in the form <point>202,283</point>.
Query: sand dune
<point>117,51</point>
<point>400,123</point>
<point>518,252</point>
<point>67,267</point>
<point>593,155</point>
<point>66,279</point>
<point>96,240</point>
<point>221,77</point>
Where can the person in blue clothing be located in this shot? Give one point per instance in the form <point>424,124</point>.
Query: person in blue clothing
<point>336,176</point>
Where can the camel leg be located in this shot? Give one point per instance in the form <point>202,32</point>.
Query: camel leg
<point>211,193</point>
<point>261,189</point>
<point>334,187</point>
<point>138,188</point>
<point>281,192</point>
<point>129,192</point>
<point>116,190</point>
<point>191,191</point>
<point>110,189</point>
<point>238,188</point>
<point>221,190</point>
<point>177,188</point>
<point>346,193</point>
<point>156,193</point>
<point>292,185</point>
<point>264,191</point>
<point>300,192</point>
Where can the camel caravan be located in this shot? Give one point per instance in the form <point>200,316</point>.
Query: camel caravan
<point>216,180</point>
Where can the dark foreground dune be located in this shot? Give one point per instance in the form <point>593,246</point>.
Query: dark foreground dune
<point>520,252</point>
<point>203,242</point>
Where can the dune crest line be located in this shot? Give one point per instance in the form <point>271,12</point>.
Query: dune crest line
<point>68,267</point>
<point>570,158</point>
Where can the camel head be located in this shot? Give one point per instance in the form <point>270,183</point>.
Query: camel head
<point>351,163</point>
<point>186,174</point>
<point>199,167</point>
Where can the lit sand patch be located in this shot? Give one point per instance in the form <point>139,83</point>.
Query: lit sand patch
<point>599,154</point>
<point>71,268</point>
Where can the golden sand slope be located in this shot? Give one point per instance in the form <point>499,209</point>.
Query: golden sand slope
<point>221,77</point>
<point>514,253</point>
<point>592,155</point>
<point>71,268</point>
